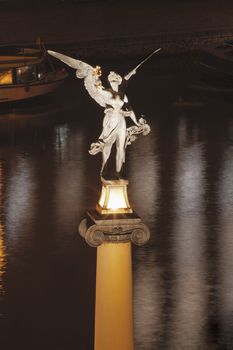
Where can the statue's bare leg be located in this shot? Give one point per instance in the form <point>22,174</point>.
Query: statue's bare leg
<point>105,155</point>
<point>120,151</point>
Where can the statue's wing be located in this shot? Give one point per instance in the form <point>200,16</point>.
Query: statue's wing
<point>96,90</point>
<point>91,79</point>
<point>82,68</point>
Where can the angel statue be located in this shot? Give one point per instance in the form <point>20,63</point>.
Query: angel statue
<point>116,110</point>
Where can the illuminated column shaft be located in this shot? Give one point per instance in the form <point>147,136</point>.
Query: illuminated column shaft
<point>114,309</point>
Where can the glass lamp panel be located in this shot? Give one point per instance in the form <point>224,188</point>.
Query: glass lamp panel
<point>103,196</point>
<point>116,198</point>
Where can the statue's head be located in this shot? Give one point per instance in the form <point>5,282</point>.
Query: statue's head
<point>114,79</point>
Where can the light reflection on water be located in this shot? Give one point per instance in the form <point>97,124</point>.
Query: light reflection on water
<point>180,183</point>
<point>148,301</point>
<point>144,170</point>
<point>225,243</point>
<point>61,139</point>
<point>2,258</point>
<point>70,178</point>
<point>20,197</point>
<point>2,237</point>
<point>189,290</point>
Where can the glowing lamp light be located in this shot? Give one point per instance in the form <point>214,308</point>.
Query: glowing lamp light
<point>114,198</point>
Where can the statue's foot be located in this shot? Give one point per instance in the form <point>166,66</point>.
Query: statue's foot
<point>120,176</point>
<point>112,177</point>
<point>108,175</point>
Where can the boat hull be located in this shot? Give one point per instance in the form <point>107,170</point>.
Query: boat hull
<point>18,92</point>
<point>217,66</point>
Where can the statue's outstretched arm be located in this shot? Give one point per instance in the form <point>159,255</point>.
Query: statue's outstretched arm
<point>129,75</point>
<point>132,115</point>
<point>134,71</point>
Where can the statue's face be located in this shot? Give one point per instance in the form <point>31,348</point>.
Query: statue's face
<point>114,79</point>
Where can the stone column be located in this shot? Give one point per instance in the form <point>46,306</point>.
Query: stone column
<point>114,310</point>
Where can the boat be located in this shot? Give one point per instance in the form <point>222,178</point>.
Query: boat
<point>27,73</point>
<point>217,65</point>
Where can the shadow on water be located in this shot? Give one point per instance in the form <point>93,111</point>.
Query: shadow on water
<point>180,184</point>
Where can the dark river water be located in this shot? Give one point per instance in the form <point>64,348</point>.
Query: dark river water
<point>180,183</point>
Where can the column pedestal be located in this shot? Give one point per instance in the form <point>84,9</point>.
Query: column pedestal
<point>111,228</point>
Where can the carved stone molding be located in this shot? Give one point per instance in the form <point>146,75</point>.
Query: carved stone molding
<point>113,230</point>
